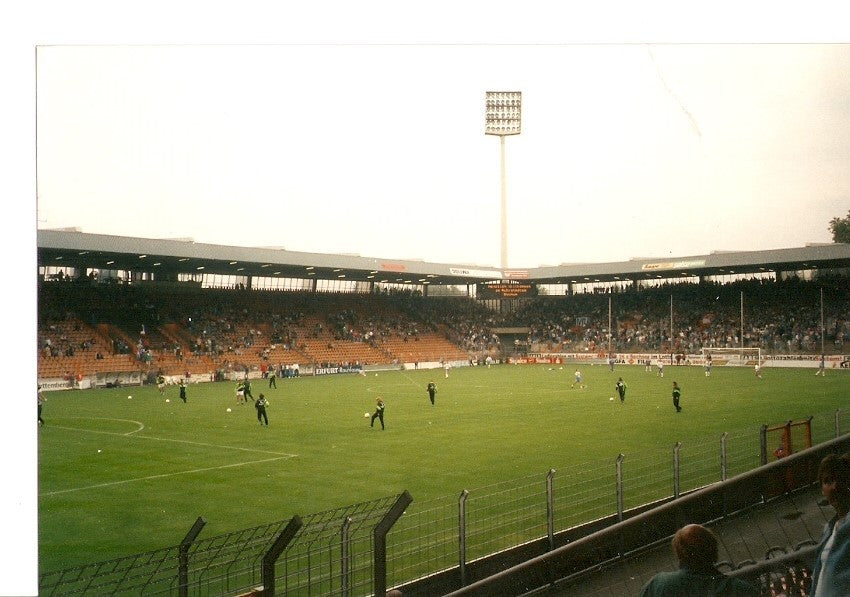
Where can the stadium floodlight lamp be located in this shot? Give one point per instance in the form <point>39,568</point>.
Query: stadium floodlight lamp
<point>503,117</point>
<point>503,113</point>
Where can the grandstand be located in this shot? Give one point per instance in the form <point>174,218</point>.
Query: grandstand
<point>102,299</point>
<point>115,308</point>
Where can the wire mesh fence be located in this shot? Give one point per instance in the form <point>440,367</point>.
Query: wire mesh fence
<point>578,498</point>
<point>514,512</point>
<point>231,564</point>
<point>333,552</point>
<point>768,540</point>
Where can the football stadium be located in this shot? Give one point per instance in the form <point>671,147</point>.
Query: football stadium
<point>525,471</point>
<point>283,347</point>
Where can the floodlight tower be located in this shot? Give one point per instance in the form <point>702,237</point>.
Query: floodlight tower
<point>503,117</point>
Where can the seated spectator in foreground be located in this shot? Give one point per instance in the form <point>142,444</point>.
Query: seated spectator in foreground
<point>696,549</point>
<point>831,574</point>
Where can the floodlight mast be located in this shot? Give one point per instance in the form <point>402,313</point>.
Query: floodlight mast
<point>503,117</point>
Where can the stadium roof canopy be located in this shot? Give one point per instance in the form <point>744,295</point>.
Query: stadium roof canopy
<point>64,248</point>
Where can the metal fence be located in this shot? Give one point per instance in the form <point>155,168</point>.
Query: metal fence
<point>451,532</point>
<point>754,516</point>
<point>328,553</point>
<point>335,552</point>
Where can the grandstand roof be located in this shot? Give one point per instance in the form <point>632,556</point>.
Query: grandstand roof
<point>173,256</point>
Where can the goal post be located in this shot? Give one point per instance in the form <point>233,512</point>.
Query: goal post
<point>733,356</point>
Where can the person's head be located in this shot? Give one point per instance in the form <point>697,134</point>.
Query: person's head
<point>834,477</point>
<point>262,397</point>
<point>675,384</point>
<point>695,546</point>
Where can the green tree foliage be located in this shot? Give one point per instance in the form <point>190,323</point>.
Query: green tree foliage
<point>840,228</point>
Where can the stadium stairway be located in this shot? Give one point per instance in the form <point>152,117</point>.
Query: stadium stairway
<point>792,523</point>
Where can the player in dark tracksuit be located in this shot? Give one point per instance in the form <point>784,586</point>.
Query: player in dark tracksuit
<point>247,389</point>
<point>379,412</point>
<point>677,393</point>
<point>183,390</point>
<point>40,402</point>
<point>260,405</point>
<point>621,389</point>
<point>432,390</point>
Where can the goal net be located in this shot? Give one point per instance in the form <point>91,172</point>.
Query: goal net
<point>732,356</point>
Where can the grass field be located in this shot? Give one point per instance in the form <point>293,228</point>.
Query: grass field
<point>121,475</point>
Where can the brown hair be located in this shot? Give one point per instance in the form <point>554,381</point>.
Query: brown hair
<point>695,546</point>
<point>835,467</point>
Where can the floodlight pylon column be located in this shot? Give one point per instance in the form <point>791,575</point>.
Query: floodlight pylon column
<point>504,260</point>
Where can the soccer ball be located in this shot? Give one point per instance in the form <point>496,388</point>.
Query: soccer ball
<point>167,400</point>
<point>129,397</point>
<point>611,398</point>
<point>366,415</point>
<point>228,410</point>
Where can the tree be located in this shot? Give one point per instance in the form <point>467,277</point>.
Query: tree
<point>840,228</point>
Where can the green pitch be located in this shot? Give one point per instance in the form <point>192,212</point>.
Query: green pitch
<point>121,475</point>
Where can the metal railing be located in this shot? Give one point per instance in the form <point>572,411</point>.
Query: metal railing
<point>712,505</point>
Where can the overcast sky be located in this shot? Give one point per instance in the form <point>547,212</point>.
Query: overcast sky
<point>626,150</point>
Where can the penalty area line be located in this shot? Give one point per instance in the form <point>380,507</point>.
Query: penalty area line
<point>178,441</point>
<point>161,476</point>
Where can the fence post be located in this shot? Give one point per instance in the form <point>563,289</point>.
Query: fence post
<point>550,509</point>
<point>676,469</point>
<point>724,471</point>
<point>380,539</point>
<point>183,556</point>
<point>809,431</point>
<point>271,556</point>
<point>763,441</point>
<point>346,556</point>
<point>461,531</point>
<point>620,458</point>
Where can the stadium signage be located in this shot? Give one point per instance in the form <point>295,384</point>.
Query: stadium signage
<point>673,264</point>
<point>478,273</point>
<point>335,370</point>
<point>531,360</point>
<point>515,273</point>
<point>502,290</point>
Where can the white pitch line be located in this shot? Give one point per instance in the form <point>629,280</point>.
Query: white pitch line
<point>179,441</point>
<point>161,476</point>
<point>140,426</point>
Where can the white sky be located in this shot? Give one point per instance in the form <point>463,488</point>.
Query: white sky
<point>627,149</point>
<point>357,127</point>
